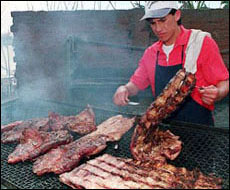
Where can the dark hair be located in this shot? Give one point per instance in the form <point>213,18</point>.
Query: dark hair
<point>173,12</point>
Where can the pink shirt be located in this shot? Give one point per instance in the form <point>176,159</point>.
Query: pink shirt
<point>210,66</point>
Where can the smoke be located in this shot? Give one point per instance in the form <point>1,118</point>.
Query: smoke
<point>80,59</point>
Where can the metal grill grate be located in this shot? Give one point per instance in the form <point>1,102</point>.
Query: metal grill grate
<point>203,147</point>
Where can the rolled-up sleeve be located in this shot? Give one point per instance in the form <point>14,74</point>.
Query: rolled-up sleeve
<point>140,76</point>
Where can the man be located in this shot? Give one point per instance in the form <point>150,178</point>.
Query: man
<point>164,58</point>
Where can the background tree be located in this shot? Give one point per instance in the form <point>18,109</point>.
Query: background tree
<point>193,5</point>
<point>225,4</point>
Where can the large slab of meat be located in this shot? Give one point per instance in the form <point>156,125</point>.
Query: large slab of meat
<point>66,157</point>
<point>109,172</point>
<point>34,142</point>
<point>15,133</point>
<point>10,126</point>
<point>114,127</point>
<point>83,123</point>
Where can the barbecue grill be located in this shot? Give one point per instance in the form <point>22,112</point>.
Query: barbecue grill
<point>206,148</point>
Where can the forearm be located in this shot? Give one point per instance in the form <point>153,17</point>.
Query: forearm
<point>223,89</point>
<point>132,89</point>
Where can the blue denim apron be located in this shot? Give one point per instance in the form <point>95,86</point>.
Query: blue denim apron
<point>189,111</point>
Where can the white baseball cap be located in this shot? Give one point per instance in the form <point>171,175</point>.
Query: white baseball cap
<point>158,9</point>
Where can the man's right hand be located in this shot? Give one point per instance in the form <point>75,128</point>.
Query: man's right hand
<point>120,97</point>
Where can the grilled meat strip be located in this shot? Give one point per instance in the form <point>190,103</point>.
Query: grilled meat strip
<point>34,142</point>
<point>114,127</point>
<point>109,172</point>
<point>15,133</point>
<point>10,126</point>
<point>66,157</point>
<point>83,123</point>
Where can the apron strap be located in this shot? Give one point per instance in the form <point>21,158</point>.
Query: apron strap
<point>182,54</point>
<point>158,52</point>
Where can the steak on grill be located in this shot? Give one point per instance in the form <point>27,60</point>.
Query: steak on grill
<point>34,142</point>
<point>114,127</point>
<point>15,133</point>
<point>66,157</point>
<point>109,172</point>
<point>83,123</point>
<point>10,126</point>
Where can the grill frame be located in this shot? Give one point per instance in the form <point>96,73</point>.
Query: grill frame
<point>204,147</point>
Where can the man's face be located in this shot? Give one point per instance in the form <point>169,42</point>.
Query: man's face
<point>165,28</point>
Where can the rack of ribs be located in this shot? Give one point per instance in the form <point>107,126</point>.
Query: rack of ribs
<point>148,142</point>
<point>34,143</point>
<point>175,92</point>
<point>109,172</point>
<point>66,157</point>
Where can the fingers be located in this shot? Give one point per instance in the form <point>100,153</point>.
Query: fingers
<point>121,101</point>
<point>126,99</point>
<point>208,101</point>
<point>209,94</point>
<point>120,98</point>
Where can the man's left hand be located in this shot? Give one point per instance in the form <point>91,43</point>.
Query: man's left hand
<point>209,94</point>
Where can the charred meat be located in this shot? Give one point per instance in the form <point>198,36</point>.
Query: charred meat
<point>148,142</point>
<point>34,142</point>
<point>83,123</point>
<point>66,157</point>
<point>10,126</point>
<point>178,88</point>
<point>157,146</point>
<point>15,133</point>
